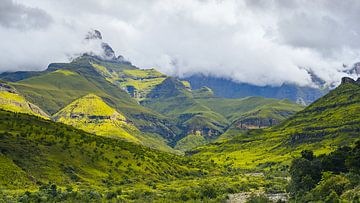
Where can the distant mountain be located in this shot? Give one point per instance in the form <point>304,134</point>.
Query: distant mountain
<point>230,89</point>
<point>326,124</point>
<point>158,111</point>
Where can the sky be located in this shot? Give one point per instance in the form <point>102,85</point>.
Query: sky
<point>261,42</point>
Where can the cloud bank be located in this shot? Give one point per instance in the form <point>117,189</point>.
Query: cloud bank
<point>262,42</point>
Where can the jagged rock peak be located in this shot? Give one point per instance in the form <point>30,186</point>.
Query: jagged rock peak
<point>108,53</point>
<point>93,34</point>
<point>350,80</point>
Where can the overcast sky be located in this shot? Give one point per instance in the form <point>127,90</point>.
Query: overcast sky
<point>255,41</point>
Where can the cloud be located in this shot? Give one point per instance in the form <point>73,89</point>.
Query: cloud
<point>263,42</point>
<point>17,16</point>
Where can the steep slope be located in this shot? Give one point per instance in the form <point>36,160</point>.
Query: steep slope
<point>90,113</point>
<point>34,152</point>
<point>44,161</point>
<point>10,100</point>
<point>62,83</point>
<point>173,99</point>
<point>137,82</point>
<point>329,122</point>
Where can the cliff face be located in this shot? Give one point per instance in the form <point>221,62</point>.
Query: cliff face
<point>345,80</point>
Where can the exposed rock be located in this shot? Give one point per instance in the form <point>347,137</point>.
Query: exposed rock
<point>93,34</point>
<point>347,80</point>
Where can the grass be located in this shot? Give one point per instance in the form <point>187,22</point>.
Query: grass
<point>190,141</point>
<point>330,122</point>
<point>90,113</point>
<point>37,155</point>
<point>63,83</point>
<point>14,102</point>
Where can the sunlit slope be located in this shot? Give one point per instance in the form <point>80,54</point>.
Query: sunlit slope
<point>36,151</point>
<point>10,100</point>
<point>329,122</point>
<point>63,83</point>
<point>137,82</point>
<point>92,114</point>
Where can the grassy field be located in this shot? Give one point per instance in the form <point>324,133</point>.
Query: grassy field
<point>46,161</point>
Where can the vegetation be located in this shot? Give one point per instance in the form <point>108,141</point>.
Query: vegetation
<point>334,177</point>
<point>327,123</point>
<point>46,161</point>
<point>101,120</point>
<point>14,102</point>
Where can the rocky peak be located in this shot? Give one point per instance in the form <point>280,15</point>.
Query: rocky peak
<point>93,34</point>
<point>350,80</point>
<point>107,51</point>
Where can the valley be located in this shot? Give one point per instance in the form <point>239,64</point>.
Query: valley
<point>100,129</point>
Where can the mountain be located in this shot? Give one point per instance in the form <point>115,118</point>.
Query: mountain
<point>175,100</point>
<point>11,100</point>
<point>199,112</point>
<point>44,161</point>
<point>230,89</point>
<point>329,122</point>
<point>35,152</point>
<point>157,110</point>
<point>92,114</point>
<point>162,110</point>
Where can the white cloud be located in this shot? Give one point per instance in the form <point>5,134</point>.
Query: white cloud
<point>259,42</point>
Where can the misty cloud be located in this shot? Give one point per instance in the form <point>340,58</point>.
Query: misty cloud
<point>18,16</point>
<point>263,42</point>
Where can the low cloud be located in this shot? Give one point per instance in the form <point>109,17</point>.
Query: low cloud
<point>263,42</point>
<point>18,16</point>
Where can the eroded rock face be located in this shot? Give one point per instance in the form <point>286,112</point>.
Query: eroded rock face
<point>347,80</point>
<point>252,123</point>
<point>95,36</point>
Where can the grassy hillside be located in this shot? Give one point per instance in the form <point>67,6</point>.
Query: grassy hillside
<point>10,100</point>
<point>63,83</point>
<point>43,161</point>
<point>90,113</point>
<point>137,82</point>
<point>173,99</point>
<point>258,107</point>
<point>327,123</point>
<point>169,112</point>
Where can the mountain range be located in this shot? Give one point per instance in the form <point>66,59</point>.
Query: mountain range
<point>99,129</point>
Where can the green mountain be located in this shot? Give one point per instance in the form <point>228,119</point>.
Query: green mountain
<point>90,113</point>
<point>12,101</point>
<point>168,111</point>
<point>63,83</point>
<point>172,98</point>
<point>38,151</point>
<point>44,161</point>
<point>329,122</point>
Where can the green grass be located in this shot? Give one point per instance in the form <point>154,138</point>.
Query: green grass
<point>143,80</point>
<point>190,141</point>
<point>63,83</point>
<point>37,155</point>
<point>14,102</point>
<point>234,109</point>
<point>90,113</point>
<point>330,122</point>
